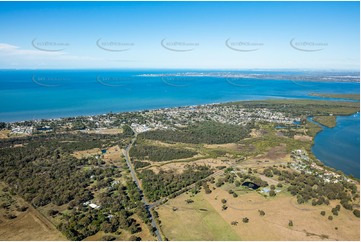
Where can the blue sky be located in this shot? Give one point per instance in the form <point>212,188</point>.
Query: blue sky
<point>261,35</point>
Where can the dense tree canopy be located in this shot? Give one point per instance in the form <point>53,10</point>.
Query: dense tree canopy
<point>159,153</point>
<point>205,132</point>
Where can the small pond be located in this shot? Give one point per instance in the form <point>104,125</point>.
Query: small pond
<point>250,185</point>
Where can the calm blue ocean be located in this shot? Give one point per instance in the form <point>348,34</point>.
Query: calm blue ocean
<point>35,94</point>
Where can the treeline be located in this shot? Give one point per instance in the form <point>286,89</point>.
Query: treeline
<point>165,183</point>
<point>205,132</point>
<point>159,153</point>
<point>79,141</point>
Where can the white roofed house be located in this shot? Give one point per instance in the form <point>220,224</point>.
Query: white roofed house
<point>93,205</point>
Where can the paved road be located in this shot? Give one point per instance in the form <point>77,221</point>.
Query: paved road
<point>148,205</point>
<point>136,180</point>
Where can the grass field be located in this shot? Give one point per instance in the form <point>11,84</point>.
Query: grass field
<point>28,225</point>
<point>4,134</point>
<point>215,223</point>
<point>196,221</point>
<point>105,131</point>
<point>111,156</point>
<point>328,121</point>
<point>87,153</point>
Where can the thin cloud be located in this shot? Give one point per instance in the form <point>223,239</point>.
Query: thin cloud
<point>12,50</point>
<point>26,54</point>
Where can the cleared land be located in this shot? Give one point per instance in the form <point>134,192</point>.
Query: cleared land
<point>200,225</point>
<point>4,134</point>
<point>27,225</point>
<point>196,221</point>
<point>105,131</point>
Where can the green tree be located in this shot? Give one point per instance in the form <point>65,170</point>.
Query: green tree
<point>272,193</point>
<point>356,212</point>
<point>234,223</point>
<point>134,238</point>
<point>334,211</point>
<point>127,131</point>
<point>108,238</point>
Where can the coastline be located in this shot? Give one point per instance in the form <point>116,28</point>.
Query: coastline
<point>310,118</point>
<point>279,98</point>
<point>80,93</point>
<point>325,160</point>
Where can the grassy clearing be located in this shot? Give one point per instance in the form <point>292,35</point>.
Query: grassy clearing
<point>4,134</point>
<point>28,224</point>
<point>87,153</point>
<point>312,128</point>
<point>328,121</point>
<point>159,153</point>
<point>189,222</point>
<point>105,131</point>
<point>215,223</point>
<point>180,166</point>
<point>264,144</point>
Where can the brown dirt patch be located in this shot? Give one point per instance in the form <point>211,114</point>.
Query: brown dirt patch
<point>30,225</point>
<point>105,131</point>
<point>87,153</point>
<point>302,137</point>
<point>4,134</point>
<point>113,155</point>
<point>224,146</point>
<point>276,152</point>
<point>179,167</point>
<point>255,133</point>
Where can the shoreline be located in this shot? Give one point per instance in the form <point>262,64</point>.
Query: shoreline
<point>211,104</point>
<point>324,128</point>
<point>179,107</point>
